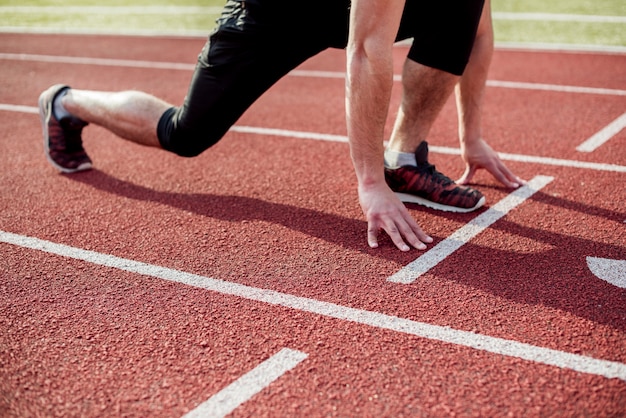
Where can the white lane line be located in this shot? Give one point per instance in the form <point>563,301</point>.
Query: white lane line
<point>560,48</point>
<point>495,345</point>
<point>604,135</point>
<point>491,83</point>
<point>611,271</point>
<point>435,149</point>
<point>243,389</point>
<point>555,88</point>
<point>295,73</point>
<point>462,236</point>
<point>291,134</point>
<point>541,160</point>
<point>557,17</point>
<point>19,108</point>
<point>105,62</point>
<point>344,139</point>
<point>113,10</point>
<point>199,10</point>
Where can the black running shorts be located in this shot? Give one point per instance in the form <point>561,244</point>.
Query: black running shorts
<point>257,42</point>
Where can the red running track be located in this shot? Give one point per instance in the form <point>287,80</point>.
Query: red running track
<point>153,284</point>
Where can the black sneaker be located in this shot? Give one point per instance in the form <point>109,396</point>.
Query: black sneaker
<point>424,185</point>
<point>62,138</point>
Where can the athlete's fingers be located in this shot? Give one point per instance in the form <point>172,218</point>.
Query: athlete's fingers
<point>372,235</point>
<point>414,235</point>
<point>468,175</point>
<point>396,237</point>
<point>506,176</point>
<point>517,181</point>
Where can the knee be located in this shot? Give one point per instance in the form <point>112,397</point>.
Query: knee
<point>190,145</point>
<point>187,141</point>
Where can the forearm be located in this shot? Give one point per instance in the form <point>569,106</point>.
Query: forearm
<point>373,27</point>
<point>368,90</point>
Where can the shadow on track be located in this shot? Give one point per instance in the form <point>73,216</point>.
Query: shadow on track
<point>556,277</point>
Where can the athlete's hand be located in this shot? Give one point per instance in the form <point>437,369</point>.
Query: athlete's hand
<point>384,211</point>
<point>478,154</point>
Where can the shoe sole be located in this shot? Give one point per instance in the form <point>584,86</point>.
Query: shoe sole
<point>409,198</point>
<point>44,115</point>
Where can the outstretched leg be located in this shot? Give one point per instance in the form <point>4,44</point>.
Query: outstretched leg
<point>132,115</point>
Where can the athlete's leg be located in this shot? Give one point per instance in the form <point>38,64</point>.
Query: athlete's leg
<point>425,92</point>
<point>441,49</point>
<point>245,55</point>
<point>132,115</point>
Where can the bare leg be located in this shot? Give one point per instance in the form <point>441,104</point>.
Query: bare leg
<point>471,87</point>
<point>475,151</point>
<point>425,92</point>
<point>132,115</point>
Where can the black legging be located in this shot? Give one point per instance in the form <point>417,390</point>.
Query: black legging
<point>256,45</point>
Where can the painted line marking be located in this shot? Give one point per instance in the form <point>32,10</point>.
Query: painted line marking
<point>462,236</point>
<point>295,73</point>
<point>243,389</point>
<point>557,17</point>
<point>555,88</point>
<point>202,34</point>
<point>494,345</point>
<point>491,83</point>
<point>113,10</point>
<point>561,48</point>
<point>611,271</point>
<point>167,10</point>
<point>19,108</point>
<point>344,139</point>
<point>106,62</point>
<point>541,160</point>
<point>604,135</point>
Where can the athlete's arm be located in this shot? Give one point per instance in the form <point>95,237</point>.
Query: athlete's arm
<point>373,28</point>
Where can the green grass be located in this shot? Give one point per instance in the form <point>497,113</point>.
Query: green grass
<point>586,7</point>
<point>596,33</point>
<point>524,31</point>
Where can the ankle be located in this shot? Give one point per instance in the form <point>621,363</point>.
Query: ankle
<point>395,159</point>
<point>58,109</point>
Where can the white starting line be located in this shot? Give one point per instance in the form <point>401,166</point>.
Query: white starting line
<point>248,385</point>
<point>604,135</point>
<point>494,345</point>
<point>462,236</point>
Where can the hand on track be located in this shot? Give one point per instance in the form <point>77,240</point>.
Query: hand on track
<point>384,211</point>
<point>479,154</point>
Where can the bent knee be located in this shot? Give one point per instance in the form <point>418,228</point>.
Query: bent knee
<point>191,144</point>
<point>186,142</point>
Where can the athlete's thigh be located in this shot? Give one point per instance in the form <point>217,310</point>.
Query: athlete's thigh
<point>443,31</point>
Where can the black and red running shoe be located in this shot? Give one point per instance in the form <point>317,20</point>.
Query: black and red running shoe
<point>62,140</point>
<point>424,185</point>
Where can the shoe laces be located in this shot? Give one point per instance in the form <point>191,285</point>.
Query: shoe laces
<point>436,175</point>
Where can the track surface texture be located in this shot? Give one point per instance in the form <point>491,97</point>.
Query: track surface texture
<point>153,283</point>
